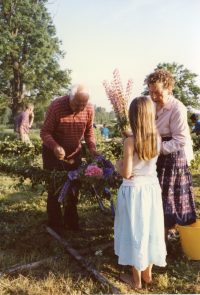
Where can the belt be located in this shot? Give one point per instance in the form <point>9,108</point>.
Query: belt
<point>166,138</point>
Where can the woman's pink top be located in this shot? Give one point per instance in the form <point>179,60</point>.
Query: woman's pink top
<point>172,122</point>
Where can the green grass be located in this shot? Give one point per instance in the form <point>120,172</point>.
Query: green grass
<point>34,134</point>
<point>23,239</point>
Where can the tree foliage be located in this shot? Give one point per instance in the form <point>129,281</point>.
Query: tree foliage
<point>103,117</point>
<point>29,55</point>
<point>185,88</point>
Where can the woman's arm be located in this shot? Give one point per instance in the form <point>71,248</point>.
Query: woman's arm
<point>124,166</point>
<point>179,130</point>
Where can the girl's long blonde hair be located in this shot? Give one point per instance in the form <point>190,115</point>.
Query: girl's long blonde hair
<point>142,122</point>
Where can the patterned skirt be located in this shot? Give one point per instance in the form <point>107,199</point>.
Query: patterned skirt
<point>177,190</point>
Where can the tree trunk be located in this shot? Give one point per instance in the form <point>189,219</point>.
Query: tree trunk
<point>17,93</point>
<point>17,108</point>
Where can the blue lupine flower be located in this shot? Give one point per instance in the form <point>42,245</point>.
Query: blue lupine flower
<point>83,165</point>
<point>64,190</point>
<point>60,199</point>
<point>73,174</point>
<point>116,173</point>
<point>108,164</point>
<point>108,172</point>
<point>99,158</point>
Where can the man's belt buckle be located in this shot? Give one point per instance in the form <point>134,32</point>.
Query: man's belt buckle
<point>70,161</point>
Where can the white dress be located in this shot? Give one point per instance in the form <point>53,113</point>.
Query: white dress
<point>139,221</point>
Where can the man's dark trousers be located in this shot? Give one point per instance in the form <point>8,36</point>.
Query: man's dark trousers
<point>50,162</point>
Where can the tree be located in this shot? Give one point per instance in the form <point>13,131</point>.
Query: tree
<point>4,119</point>
<point>29,55</point>
<point>103,117</point>
<point>185,89</point>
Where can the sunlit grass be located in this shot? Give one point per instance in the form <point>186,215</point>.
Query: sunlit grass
<point>23,239</point>
<point>34,134</point>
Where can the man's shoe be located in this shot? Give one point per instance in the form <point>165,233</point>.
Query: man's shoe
<point>57,230</point>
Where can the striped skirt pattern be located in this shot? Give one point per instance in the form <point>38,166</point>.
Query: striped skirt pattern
<point>177,190</point>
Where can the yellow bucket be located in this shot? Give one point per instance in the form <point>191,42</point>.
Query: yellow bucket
<point>190,240</point>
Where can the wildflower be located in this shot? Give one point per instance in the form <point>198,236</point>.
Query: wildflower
<point>93,170</point>
<point>99,158</point>
<point>98,253</point>
<point>108,164</point>
<point>108,172</point>
<point>117,98</point>
<point>64,190</point>
<point>73,174</point>
<point>60,199</point>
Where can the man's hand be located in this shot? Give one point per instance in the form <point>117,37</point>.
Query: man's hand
<point>32,118</point>
<point>59,152</point>
<point>31,114</point>
<point>93,152</point>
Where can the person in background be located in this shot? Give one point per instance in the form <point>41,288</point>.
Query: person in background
<point>67,119</point>
<point>139,221</point>
<point>105,131</point>
<point>195,119</point>
<point>23,123</point>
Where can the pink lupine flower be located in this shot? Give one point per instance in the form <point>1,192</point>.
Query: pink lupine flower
<point>93,170</point>
<point>118,99</point>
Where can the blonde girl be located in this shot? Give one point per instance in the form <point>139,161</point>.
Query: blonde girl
<point>139,222</point>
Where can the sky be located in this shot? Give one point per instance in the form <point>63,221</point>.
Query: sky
<point>131,35</point>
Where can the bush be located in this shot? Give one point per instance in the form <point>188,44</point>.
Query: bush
<point>10,134</point>
<point>2,128</point>
<point>196,143</point>
<point>195,164</point>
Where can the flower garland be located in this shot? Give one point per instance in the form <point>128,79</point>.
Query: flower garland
<point>97,173</point>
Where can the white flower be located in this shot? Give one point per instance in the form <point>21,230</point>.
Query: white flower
<point>98,252</point>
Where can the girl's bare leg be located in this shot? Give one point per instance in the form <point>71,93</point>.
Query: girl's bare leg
<point>147,275</point>
<point>134,280</point>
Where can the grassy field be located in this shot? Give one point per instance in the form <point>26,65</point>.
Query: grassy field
<point>34,134</point>
<point>23,239</point>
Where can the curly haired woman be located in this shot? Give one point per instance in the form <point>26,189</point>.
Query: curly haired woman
<point>176,152</point>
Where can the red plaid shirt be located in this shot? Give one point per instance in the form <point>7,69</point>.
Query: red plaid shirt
<point>62,127</point>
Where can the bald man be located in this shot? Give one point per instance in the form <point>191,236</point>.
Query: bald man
<point>67,119</point>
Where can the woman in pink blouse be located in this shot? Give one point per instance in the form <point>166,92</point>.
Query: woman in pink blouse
<point>176,152</point>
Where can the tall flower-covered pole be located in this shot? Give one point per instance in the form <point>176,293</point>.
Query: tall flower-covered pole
<point>118,99</point>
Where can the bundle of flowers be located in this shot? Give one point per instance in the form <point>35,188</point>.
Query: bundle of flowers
<point>118,99</point>
<point>95,174</point>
